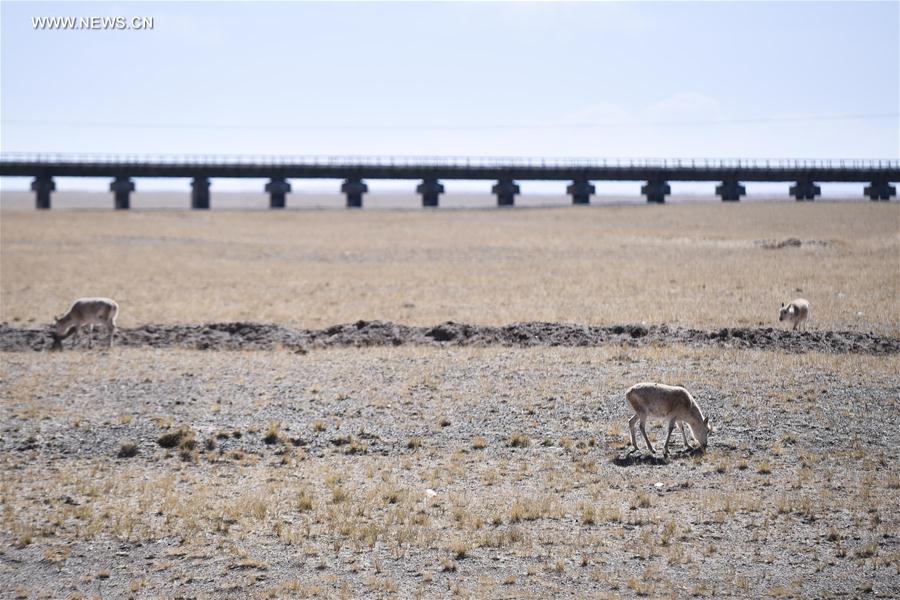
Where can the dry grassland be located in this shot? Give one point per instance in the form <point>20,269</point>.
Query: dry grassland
<point>694,265</point>
<point>446,471</point>
<point>439,472</point>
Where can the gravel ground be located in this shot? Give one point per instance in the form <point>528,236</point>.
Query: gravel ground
<point>243,336</point>
<point>432,470</point>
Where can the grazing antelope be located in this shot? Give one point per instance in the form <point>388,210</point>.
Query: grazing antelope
<point>86,312</point>
<point>666,402</point>
<point>796,312</point>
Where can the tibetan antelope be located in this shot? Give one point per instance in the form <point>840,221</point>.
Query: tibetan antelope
<point>670,403</point>
<point>85,313</point>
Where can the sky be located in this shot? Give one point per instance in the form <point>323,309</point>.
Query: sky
<point>533,79</point>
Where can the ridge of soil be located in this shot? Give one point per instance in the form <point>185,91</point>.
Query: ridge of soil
<point>261,336</point>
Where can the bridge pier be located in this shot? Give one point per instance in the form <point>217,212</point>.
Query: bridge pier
<point>354,187</point>
<point>656,190</point>
<point>200,193</point>
<point>805,190</point>
<point>42,186</point>
<point>731,190</point>
<point>506,190</point>
<point>880,190</point>
<point>430,189</point>
<point>122,186</point>
<point>581,190</point>
<point>278,188</point>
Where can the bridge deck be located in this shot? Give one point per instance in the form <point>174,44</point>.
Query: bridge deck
<point>336,167</point>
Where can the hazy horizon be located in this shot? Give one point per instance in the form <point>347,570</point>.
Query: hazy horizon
<point>533,79</point>
<point>644,79</point>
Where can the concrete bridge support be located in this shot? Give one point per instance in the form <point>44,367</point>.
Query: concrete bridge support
<point>200,193</point>
<point>121,187</point>
<point>42,186</point>
<point>805,190</point>
<point>430,189</point>
<point>730,190</point>
<point>278,189</point>
<point>656,191</point>
<point>581,190</point>
<point>354,187</point>
<point>880,190</point>
<point>506,190</point>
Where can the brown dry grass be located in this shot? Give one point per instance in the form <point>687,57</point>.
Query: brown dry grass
<point>696,265</point>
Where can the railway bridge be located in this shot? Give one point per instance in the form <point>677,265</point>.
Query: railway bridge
<point>803,177</point>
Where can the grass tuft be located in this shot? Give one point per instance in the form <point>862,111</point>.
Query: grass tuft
<point>519,440</point>
<point>127,449</point>
<point>272,435</point>
<point>183,438</point>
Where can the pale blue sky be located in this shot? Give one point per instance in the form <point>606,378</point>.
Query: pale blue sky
<point>647,79</point>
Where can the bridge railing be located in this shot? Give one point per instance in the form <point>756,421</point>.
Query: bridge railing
<point>486,162</point>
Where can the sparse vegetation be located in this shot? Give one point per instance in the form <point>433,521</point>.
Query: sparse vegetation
<point>182,438</point>
<point>364,492</point>
<point>588,515</point>
<point>356,447</point>
<point>519,440</point>
<point>331,499</point>
<point>459,549</point>
<point>304,500</point>
<point>698,246</point>
<point>272,435</point>
<point>641,501</point>
<point>127,449</point>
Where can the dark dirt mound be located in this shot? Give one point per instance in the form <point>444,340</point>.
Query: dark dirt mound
<point>258,336</point>
<point>790,243</point>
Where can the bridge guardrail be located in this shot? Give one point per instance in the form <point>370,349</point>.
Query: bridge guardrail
<point>486,162</point>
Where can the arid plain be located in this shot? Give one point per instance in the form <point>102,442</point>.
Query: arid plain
<point>703,265</point>
<point>433,470</point>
